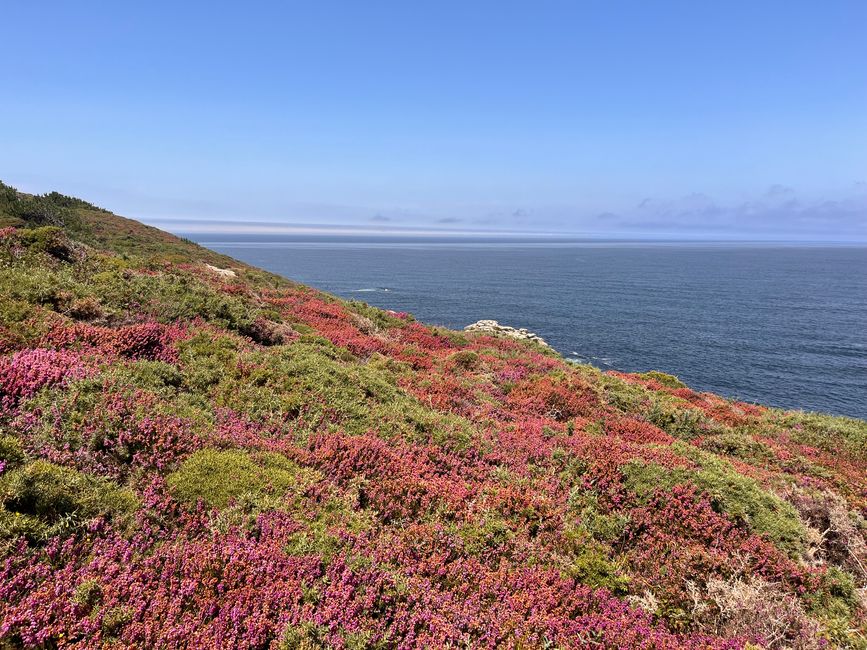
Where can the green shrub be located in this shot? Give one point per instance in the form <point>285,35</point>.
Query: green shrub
<point>669,381</point>
<point>309,636</point>
<point>670,415</point>
<point>380,318</point>
<point>311,379</point>
<point>621,394</point>
<point>466,359</point>
<point>48,239</point>
<point>156,376</point>
<point>587,534</point>
<point>338,512</point>
<point>304,636</point>
<point>40,500</point>
<point>592,566</point>
<point>644,478</point>
<point>739,445</point>
<point>172,296</point>
<point>88,594</point>
<point>11,452</point>
<point>206,360</point>
<point>40,211</point>
<point>220,477</point>
<point>114,619</point>
<point>743,498</point>
<point>491,535</point>
<point>243,512</point>
<point>41,285</point>
<point>14,311</point>
<point>86,309</point>
<point>834,603</point>
<point>583,507</point>
<point>314,540</point>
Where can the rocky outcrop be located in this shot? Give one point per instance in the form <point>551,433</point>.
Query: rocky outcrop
<point>493,327</point>
<point>226,273</point>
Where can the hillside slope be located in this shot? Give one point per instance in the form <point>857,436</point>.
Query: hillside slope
<point>196,453</point>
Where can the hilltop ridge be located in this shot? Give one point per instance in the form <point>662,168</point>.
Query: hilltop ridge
<point>196,451</point>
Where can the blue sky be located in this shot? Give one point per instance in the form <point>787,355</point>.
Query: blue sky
<point>689,119</point>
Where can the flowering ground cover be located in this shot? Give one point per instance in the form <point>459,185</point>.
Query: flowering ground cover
<point>191,458</point>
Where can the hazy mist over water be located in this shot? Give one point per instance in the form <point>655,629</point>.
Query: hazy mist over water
<point>781,325</point>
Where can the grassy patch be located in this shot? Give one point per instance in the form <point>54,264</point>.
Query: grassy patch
<point>827,432</point>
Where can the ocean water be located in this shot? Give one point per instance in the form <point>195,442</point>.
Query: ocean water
<point>775,324</point>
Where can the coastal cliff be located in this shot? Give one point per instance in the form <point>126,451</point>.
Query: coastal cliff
<point>194,451</point>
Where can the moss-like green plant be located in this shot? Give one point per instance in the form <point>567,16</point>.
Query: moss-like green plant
<point>219,477</point>
<point>40,500</point>
<point>114,619</point>
<point>643,478</point>
<point>315,381</point>
<point>583,508</point>
<point>670,415</point>
<point>621,394</point>
<point>319,536</point>
<point>206,360</point>
<point>491,535</point>
<point>88,594</point>
<point>592,566</point>
<point>156,376</point>
<point>309,636</point>
<point>833,604</point>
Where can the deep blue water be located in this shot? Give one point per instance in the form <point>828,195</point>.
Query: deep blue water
<point>774,324</point>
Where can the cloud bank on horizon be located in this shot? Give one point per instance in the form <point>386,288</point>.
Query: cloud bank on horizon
<point>736,120</point>
<point>777,214</point>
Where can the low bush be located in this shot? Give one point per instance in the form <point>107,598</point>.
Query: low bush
<point>11,453</point>
<point>51,240</point>
<point>827,432</point>
<point>731,493</point>
<point>40,500</point>
<point>669,381</point>
<point>218,478</point>
<point>758,610</point>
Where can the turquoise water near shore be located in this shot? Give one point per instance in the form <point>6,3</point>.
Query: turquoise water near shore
<point>777,324</point>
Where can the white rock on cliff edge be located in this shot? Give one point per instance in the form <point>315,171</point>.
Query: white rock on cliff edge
<point>493,327</point>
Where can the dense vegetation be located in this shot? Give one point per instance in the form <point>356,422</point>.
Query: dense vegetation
<point>194,456</point>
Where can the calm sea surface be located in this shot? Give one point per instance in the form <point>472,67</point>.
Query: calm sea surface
<point>779,325</point>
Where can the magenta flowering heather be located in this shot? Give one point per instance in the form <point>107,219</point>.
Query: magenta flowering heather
<point>25,372</point>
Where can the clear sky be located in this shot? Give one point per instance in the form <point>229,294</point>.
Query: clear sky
<point>743,119</point>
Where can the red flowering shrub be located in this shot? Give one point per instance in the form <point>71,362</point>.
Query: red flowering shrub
<point>636,431</point>
<point>329,319</point>
<point>151,341</point>
<point>550,398</point>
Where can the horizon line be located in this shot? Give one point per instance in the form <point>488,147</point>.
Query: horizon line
<point>199,227</point>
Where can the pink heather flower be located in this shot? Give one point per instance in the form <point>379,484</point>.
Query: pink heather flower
<point>26,372</point>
